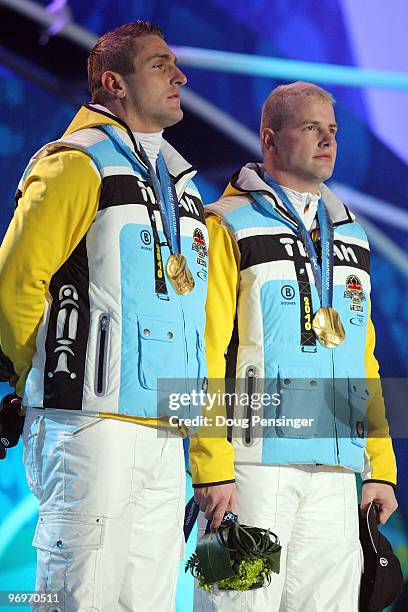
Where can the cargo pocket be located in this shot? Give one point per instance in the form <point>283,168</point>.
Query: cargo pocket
<point>161,353</point>
<point>300,403</point>
<point>33,441</point>
<point>68,548</point>
<point>358,394</point>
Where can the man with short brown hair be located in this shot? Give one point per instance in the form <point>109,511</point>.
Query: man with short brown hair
<point>116,51</point>
<point>101,310</point>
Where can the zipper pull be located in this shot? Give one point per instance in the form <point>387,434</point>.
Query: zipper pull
<point>103,322</point>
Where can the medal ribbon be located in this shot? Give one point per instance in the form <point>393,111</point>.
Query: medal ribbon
<point>166,197</point>
<point>164,189</point>
<point>323,275</point>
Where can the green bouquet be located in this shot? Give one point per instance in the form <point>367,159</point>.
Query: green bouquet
<point>236,557</point>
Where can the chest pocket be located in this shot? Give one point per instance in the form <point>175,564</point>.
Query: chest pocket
<point>301,393</point>
<point>162,353</point>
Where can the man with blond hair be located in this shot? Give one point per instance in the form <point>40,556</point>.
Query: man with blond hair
<point>102,307</point>
<point>288,305</point>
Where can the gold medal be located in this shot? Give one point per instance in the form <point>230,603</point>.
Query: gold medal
<point>328,327</point>
<point>315,234</point>
<point>179,274</point>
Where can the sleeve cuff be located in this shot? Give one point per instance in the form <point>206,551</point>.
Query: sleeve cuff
<point>386,482</point>
<point>212,484</point>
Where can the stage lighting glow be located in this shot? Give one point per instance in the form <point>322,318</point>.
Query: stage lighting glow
<point>289,70</point>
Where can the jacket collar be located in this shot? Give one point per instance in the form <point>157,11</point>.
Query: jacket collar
<point>96,115</point>
<point>249,178</point>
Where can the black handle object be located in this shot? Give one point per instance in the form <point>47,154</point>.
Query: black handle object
<point>11,423</point>
<point>7,373</point>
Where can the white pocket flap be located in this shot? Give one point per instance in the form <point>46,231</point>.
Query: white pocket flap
<point>65,534</point>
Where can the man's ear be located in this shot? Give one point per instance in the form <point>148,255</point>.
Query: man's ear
<point>114,84</point>
<point>268,139</point>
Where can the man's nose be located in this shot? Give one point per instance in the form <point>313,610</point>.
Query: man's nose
<point>179,77</point>
<point>327,139</point>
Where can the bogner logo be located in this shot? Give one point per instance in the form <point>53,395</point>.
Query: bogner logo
<point>146,237</point>
<point>342,252</point>
<point>288,293</point>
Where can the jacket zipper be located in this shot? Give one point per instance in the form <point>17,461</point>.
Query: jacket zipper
<point>250,375</point>
<point>102,351</point>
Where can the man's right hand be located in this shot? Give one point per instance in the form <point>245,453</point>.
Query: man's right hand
<point>11,422</point>
<point>214,501</point>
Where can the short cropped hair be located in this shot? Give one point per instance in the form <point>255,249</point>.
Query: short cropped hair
<point>277,109</point>
<point>115,51</point>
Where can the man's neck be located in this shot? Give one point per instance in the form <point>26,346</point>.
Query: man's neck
<point>151,144</point>
<point>294,182</point>
<point>134,122</point>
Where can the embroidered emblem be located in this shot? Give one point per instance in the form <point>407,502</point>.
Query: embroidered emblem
<point>200,247</point>
<point>354,291</point>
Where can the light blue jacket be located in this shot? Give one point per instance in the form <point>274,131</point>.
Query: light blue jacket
<point>110,341</point>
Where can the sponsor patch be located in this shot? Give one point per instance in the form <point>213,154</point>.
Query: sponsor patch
<point>354,291</point>
<point>200,247</point>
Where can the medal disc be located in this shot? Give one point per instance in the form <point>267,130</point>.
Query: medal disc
<point>179,274</point>
<point>328,328</point>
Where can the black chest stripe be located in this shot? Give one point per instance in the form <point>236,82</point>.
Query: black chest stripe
<point>122,189</point>
<point>286,247</point>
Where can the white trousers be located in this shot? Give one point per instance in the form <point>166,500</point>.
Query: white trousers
<point>111,500</point>
<point>313,510</point>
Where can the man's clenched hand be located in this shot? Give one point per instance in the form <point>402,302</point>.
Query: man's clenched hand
<point>383,495</point>
<point>11,422</point>
<point>214,501</point>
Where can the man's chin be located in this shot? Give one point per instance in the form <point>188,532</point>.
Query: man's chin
<point>324,176</point>
<point>172,118</point>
